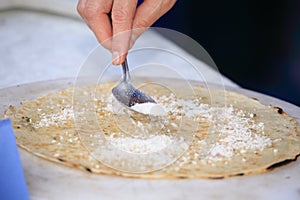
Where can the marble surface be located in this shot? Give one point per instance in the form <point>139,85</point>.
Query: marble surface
<point>36,46</point>
<point>40,46</point>
<point>46,40</point>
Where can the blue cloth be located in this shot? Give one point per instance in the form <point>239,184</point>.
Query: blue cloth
<point>12,181</point>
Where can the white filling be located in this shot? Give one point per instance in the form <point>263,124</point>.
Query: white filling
<point>136,145</point>
<point>149,109</point>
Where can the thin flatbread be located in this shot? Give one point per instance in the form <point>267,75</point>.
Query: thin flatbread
<point>238,137</point>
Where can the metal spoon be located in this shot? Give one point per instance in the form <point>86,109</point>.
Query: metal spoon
<point>125,93</point>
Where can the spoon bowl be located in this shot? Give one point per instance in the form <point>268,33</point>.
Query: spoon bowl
<point>128,95</point>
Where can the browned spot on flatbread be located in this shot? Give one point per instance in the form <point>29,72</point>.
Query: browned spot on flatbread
<point>282,163</point>
<point>88,169</point>
<point>60,159</point>
<point>240,174</point>
<point>182,177</point>
<point>217,177</point>
<point>279,110</point>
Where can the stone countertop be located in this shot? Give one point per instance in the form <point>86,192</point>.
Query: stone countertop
<point>41,43</point>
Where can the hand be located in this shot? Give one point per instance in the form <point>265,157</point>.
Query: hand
<point>127,22</point>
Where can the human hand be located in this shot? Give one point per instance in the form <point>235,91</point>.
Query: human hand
<point>127,22</point>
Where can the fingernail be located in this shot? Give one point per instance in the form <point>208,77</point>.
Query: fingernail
<point>116,58</point>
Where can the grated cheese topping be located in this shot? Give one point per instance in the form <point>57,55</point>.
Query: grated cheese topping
<point>231,131</point>
<point>56,118</point>
<point>137,145</point>
<point>237,132</point>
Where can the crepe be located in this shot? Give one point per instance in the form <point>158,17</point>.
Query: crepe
<point>227,135</point>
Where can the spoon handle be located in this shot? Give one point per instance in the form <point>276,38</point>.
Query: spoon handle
<point>126,75</point>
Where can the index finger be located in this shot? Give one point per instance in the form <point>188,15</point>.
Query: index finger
<point>95,14</point>
<point>123,12</point>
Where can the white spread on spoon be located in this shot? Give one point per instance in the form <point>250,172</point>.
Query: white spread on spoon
<point>149,109</point>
